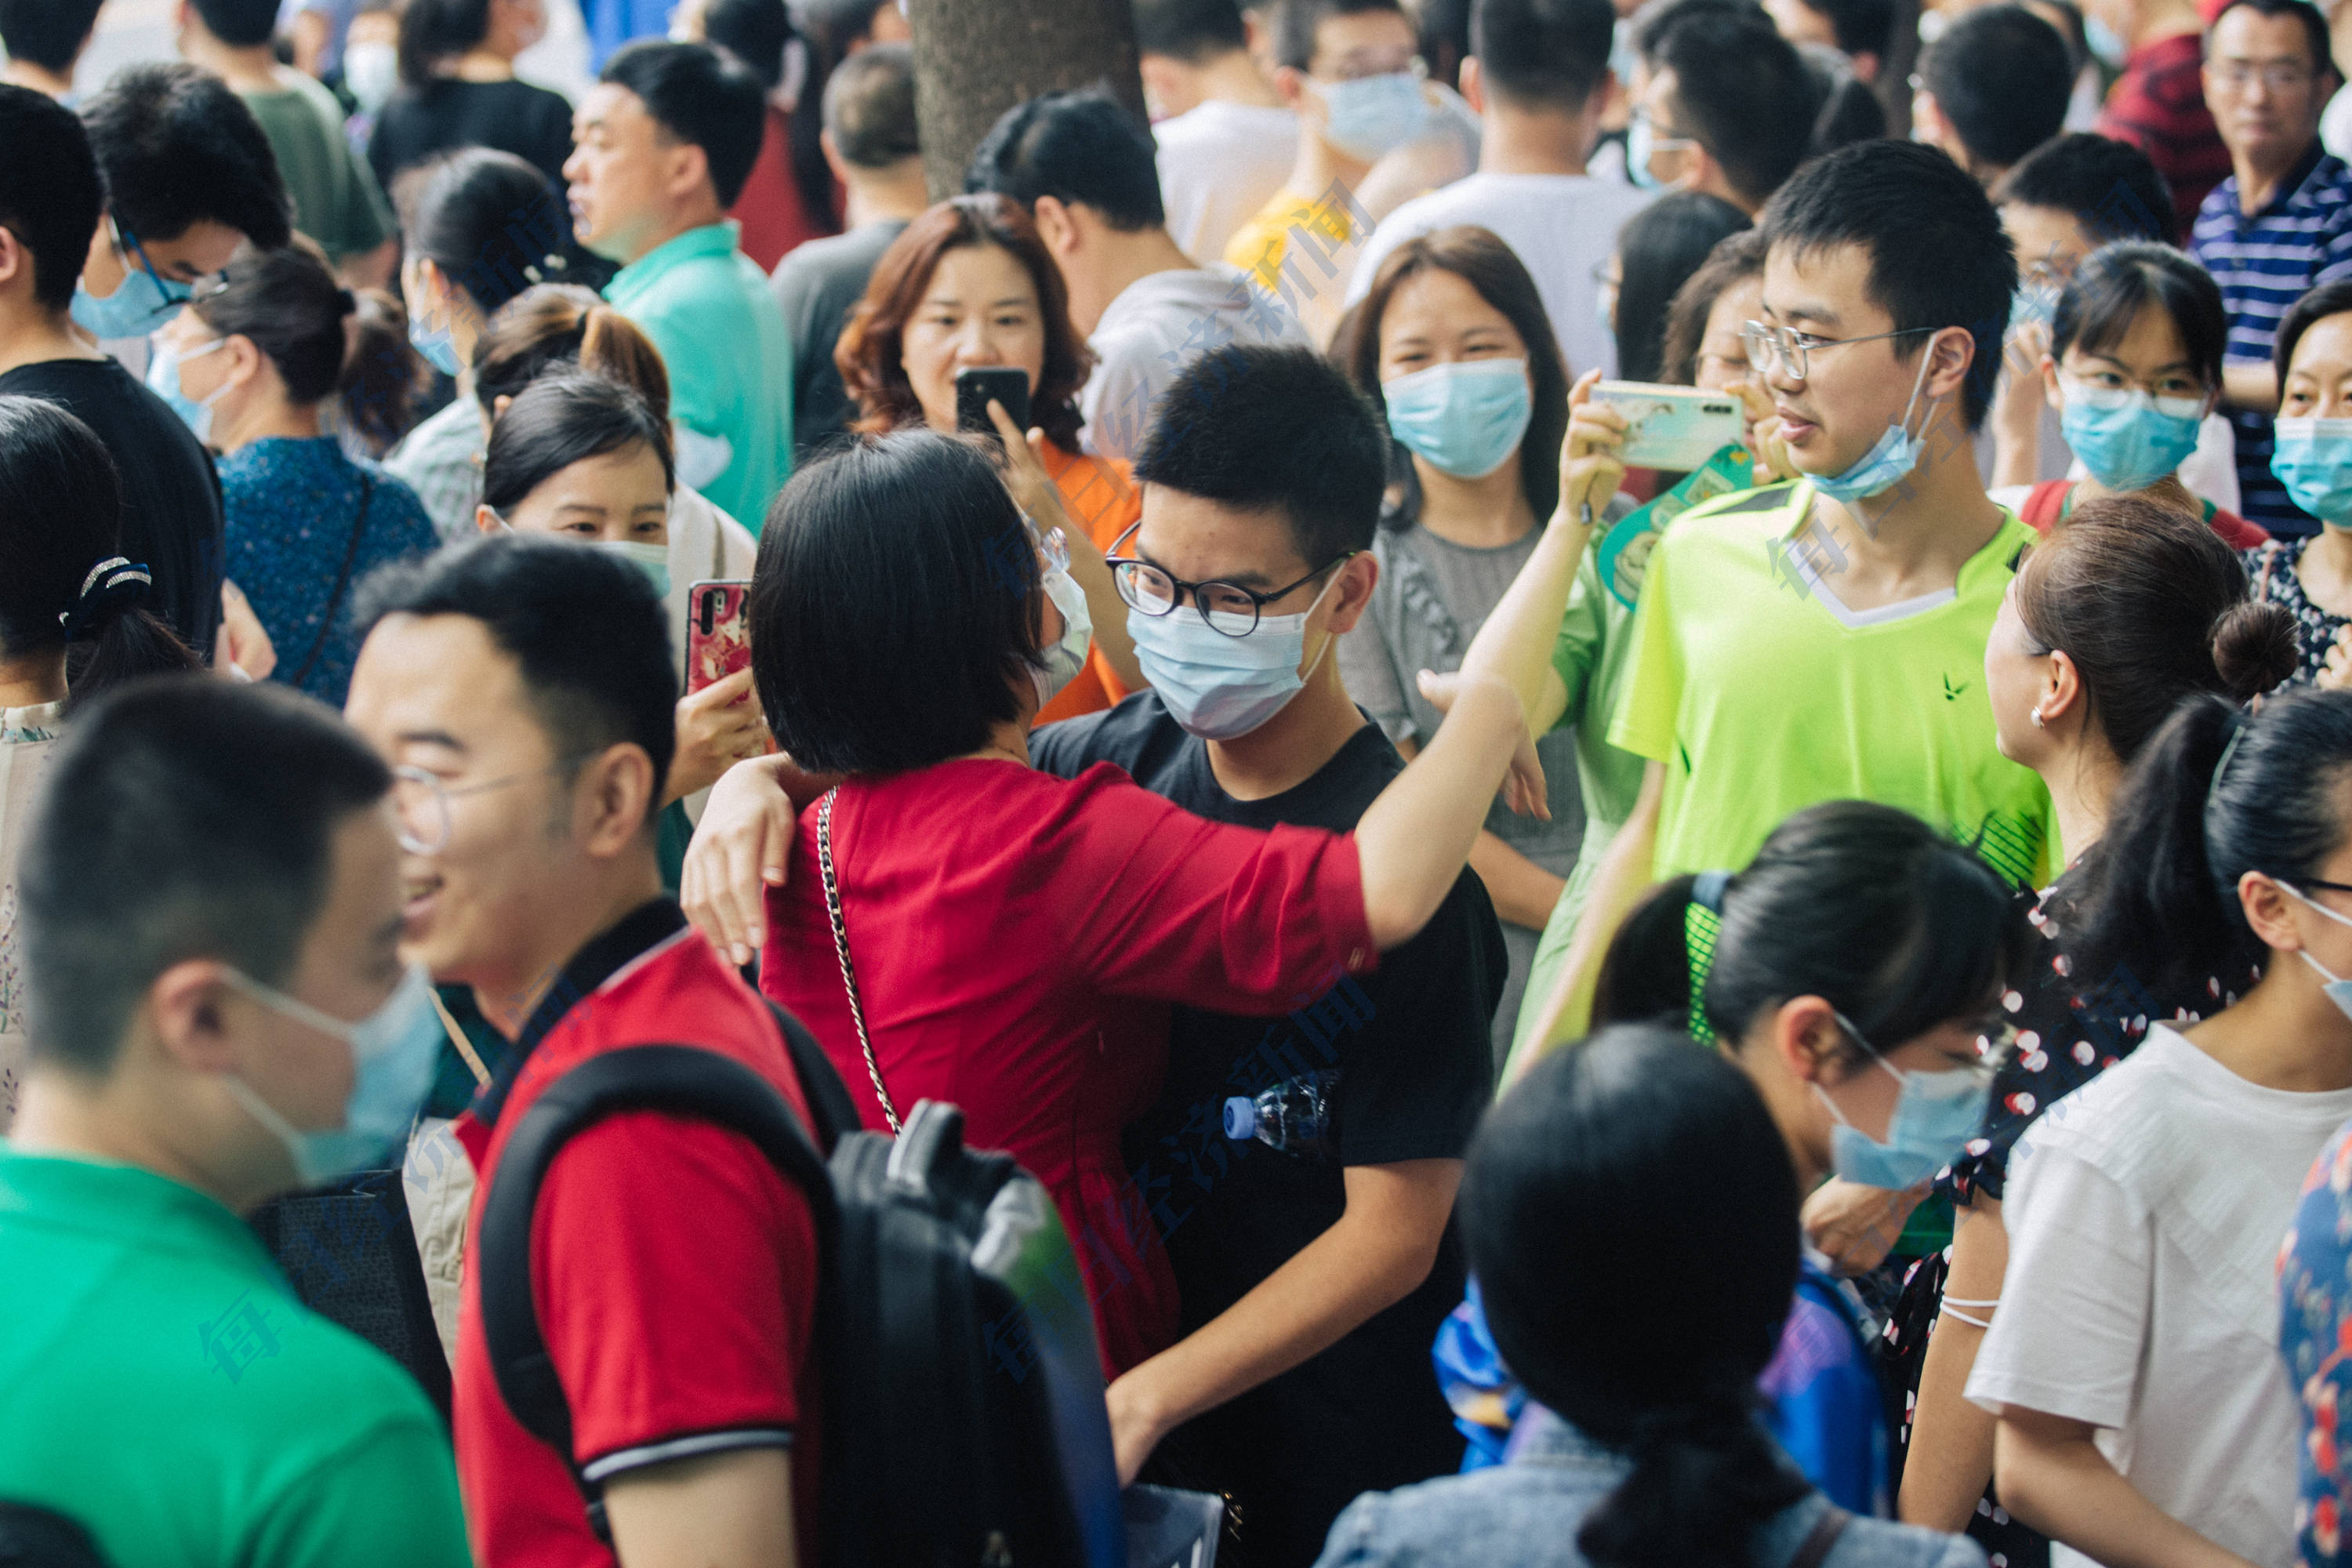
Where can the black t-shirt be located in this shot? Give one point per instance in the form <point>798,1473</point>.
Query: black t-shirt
<point>817,285</point>
<point>171,496</point>
<point>1412,1046</point>
<point>515,117</point>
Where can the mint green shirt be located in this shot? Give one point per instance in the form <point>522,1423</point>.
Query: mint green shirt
<point>709,309</point>
<point>165,1389</point>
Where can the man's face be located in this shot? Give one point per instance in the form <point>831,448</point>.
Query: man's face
<point>1850,391</point>
<point>434,693</point>
<point>1353,48</point>
<point>2263,86</point>
<point>1202,540</point>
<point>197,253</point>
<point>621,172</point>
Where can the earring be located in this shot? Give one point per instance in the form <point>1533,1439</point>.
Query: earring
<point>2036,716</point>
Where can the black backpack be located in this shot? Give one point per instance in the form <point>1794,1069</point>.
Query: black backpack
<point>963,1394</point>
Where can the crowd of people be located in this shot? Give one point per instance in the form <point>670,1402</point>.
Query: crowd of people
<point>1794,1009</point>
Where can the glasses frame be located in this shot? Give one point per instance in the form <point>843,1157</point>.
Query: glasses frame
<point>1125,567</point>
<point>1998,1045</point>
<point>443,793</point>
<point>1782,345</point>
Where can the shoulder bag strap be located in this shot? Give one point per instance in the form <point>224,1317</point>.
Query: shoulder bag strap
<point>841,951</point>
<point>2269,559</point>
<point>1817,1543</point>
<point>342,579</point>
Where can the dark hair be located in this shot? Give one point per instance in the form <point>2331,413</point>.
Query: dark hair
<point>755,32</point>
<point>2110,187</point>
<point>1848,113</point>
<point>2151,606</point>
<point>1743,92</point>
<point>1659,249</point>
<point>242,23</point>
<point>237,791</point>
<point>703,97</point>
<point>2314,26</point>
<point>2158,891</point>
<point>869,107</point>
<point>289,305</point>
<point>1736,259</point>
<point>487,220</point>
<point>556,325</point>
<point>827,28</point>
<point>176,145</point>
<point>60,517</point>
<point>47,33</point>
<point>1860,27</point>
<point>1897,927</point>
<point>833,26</point>
<point>563,419</point>
<point>1192,31</point>
<point>2001,79</point>
<point>896,563</point>
<point>1084,147</point>
<point>50,196</point>
<point>1261,428</point>
<point>2115,282</point>
<point>585,629</point>
<point>1938,256</point>
<point>432,31</point>
<point>1642,1148</point>
<point>1656,18</point>
<point>2328,299</point>
<point>1295,23</point>
<point>1480,259</point>
<point>1542,53</point>
<point>870,351</point>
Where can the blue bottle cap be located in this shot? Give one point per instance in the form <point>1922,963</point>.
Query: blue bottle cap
<point>1241,1117</point>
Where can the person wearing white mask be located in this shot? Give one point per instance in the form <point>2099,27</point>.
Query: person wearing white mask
<point>2313,576</point>
<point>1452,345</point>
<point>220,1014</point>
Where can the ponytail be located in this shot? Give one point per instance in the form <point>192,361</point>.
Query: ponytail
<point>131,642</point>
<point>554,323</point>
<point>1705,1477</point>
<point>322,339</point>
<point>615,347</point>
<point>382,374</point>
<point>1646,977</point>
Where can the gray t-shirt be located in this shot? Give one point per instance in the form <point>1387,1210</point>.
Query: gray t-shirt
<point>816,286</point>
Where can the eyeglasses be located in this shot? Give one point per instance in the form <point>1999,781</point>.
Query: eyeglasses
<point>421,802</point>
<point>1661,138</point>
<point>2237,74</point>
<point>1791,351</point>
<point>1995,1044</point>
<point>1227,608</point>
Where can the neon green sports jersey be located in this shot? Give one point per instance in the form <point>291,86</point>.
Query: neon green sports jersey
<point>1760,699</point>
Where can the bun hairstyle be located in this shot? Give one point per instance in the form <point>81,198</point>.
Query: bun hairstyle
<point>1900,928</point>
<point>566,324</point>
<point>489,222</point>
<point>323,340</point>
<point>2151,606</point>
<point>2217,792</point>
<point>60,579</point>
<point>1660,1157</point>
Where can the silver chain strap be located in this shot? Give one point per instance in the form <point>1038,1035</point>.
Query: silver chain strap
<point>841,951</point>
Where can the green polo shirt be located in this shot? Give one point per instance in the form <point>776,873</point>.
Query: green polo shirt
<point>709,309</point>
<point>164,1387</point>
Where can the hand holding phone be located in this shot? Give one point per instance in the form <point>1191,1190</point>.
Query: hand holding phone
<point>1673,428</point>
<point>718,632</point>
<point>976,385</point>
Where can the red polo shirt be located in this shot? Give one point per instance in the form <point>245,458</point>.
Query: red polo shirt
<point>674,1271</point>
<point>2158,106</point>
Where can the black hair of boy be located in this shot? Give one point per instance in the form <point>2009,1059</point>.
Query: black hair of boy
<point>177,146</point>
<point>50,195</point>
<point>1078,147</point>
<point>869,107</point>
<point>1192,31</point>
<point>703,97</point>
<point>1543,54</point>
<point>47,33</point>
<point>2001,79</point>
<point>2111,187</point>
<point>1743,91</point>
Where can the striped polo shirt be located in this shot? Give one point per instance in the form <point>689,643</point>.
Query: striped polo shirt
<point>2265,262</point>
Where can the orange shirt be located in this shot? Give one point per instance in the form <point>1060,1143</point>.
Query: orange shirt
<point>1103,501</point>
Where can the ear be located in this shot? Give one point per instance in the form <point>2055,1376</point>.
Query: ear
<point>1290,84</point>
<point>500,404</point>
<point>1352,592</point>
<point>185,1009</point>
<point>833,158</point>
<point>484,520</point>
<point>2062,692</point>
<point>245,362</point>
<point>1806,1038</point>
<point>689,173</point>
<point>611,800</point>
<point>2269,910</point>
<point>1866,66</point>
<point>1473,84</point>
<point>1950,353</point>
<point>16,261</point>
<point>1056,226</point>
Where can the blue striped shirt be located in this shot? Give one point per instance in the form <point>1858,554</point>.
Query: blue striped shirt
<point>2264,263</point>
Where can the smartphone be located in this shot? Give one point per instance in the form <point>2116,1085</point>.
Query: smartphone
<point>718,632</point>
<point>1673,428</point>
<point>978,386</point>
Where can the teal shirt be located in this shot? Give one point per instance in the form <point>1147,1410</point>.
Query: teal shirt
<point>709,309</point>
<point>165,1388</point>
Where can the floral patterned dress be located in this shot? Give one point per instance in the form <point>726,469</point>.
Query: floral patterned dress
<point>2271,569</point>
<point>2315,1340</point>
<point>2069,1029</point>
<point>28,736</point>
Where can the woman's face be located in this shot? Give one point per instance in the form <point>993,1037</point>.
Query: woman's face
<point>1805,1061</point>
<point>1722,352</point>
<point>980,309</point>
<point>1435,317</point>
<point>615,498</point>
<point>2151,356</point>
<point>2319,379</point>
<point>2016,677</point>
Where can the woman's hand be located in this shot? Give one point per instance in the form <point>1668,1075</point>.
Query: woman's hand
<point>1136,1428</point>
<point>718,727</point>
<point>1589,468</point>
<point>2336,673</point>
<point>1034,491</point>
<point>1764,443</point>
<point>2016,413</point>
<point>1524,788</point>
<point>1855,1226</point>
<point>740,850</point>
<point>243,650</point>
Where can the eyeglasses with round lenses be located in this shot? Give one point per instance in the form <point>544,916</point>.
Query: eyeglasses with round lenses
<point>421,802</point>
<point>1226,608</point>
<point>1769,344</point>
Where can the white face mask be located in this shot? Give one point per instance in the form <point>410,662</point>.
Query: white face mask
<point>1059,664</point>
<point>2338,991</point>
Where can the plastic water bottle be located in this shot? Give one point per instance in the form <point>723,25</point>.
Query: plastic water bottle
<point>1294,1116</point>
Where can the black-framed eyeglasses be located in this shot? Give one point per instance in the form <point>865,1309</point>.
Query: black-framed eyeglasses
<point>2315,882</point>
<point>1227,608</point>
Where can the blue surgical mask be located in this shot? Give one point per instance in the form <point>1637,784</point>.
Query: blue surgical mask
<point>140,306</point>
<point>395,1053</point>
<point>1642,144</point>
<point>2338,991</point>
<point>2105,42</point>
<point>2313,458</point>
<point>1218,686</point>
<point>440,349</point>
<point>2031,305</point>
<point>163,381</point>
<point>1467,418</point>
<point>2128,439</point>
<point>1887,464</point>
<point>1059,665</point>
<point>1374,114</point>
<point>653,560</point>
<point>1936,1114</point>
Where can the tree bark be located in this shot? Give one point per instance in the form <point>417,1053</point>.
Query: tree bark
<point>976,58</point>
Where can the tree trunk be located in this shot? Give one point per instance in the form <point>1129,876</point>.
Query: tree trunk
<point>976,58</point>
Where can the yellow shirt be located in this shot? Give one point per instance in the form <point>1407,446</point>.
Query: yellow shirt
<point>1303,251</point>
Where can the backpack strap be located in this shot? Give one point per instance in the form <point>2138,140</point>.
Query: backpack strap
<point>828,1097</point>
<point>1814,1550</point>
<point>680,1080</point>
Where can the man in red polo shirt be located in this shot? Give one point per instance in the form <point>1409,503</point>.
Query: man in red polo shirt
<point>523,689</point>
<point>2158,104</point>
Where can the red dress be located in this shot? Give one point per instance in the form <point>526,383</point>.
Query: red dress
<point>774,218</point>
<point>1017,939</point>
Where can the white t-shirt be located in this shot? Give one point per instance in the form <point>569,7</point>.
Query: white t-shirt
<point>2145,1213</point>
<point>1561,226</point>
<point>1155,326</point>
<point>1219,163</point>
